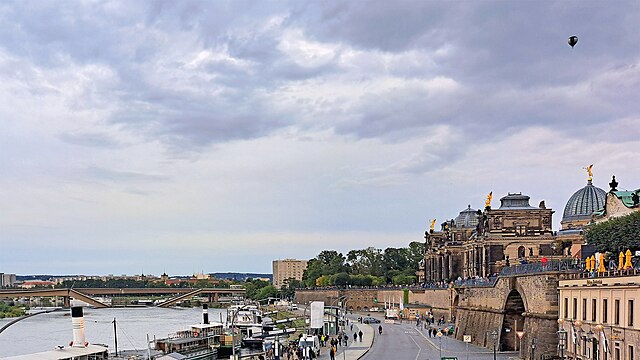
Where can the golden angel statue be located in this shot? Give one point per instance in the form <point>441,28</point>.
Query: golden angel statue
<point>488,202</point>
<point>433,225</point>
<point>588,168</point>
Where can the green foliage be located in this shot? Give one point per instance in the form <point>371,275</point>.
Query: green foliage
<point>267,292</point>
<point>341,279</point>
<point>369,261</point>
<point>365,267</point>
<point>328,262</point>
<point>10,311</point>
<point>289,290</point>
<point>254,287</point>
<point>404,280</point>
<point>616,235</point>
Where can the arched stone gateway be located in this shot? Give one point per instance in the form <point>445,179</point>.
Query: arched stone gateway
<point>513,321</point>
<point>531,300</point>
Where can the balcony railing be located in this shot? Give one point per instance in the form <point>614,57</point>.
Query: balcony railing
<point>533,268</point>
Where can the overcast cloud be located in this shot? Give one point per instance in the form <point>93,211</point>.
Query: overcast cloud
<point>218,136</point>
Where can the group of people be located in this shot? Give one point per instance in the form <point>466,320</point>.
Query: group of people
<point>292,352</point>
<point>433,332</point>
<point>342,339</point>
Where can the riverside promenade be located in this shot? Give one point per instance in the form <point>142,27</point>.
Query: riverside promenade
<point>356,349</point>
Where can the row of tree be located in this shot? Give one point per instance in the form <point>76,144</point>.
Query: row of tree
<point>365,267</point>
<point>7,310</point>
<point>616,234</point>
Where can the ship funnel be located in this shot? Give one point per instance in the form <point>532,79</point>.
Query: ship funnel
<point>205,314</point>
<point>77,322</point>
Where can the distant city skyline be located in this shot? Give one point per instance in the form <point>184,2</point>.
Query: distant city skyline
<point>218,136</point>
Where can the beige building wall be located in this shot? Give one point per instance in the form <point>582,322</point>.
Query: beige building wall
<point>613,303</point>
<point>287,269</point>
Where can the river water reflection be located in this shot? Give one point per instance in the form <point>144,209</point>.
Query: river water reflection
<point>43,332</point>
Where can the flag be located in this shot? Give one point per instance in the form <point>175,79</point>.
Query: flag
<point>401,305</point>
<point>573,334</point>
<point>605,343</point>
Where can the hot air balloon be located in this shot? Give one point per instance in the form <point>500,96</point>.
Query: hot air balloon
<point>573,40</point>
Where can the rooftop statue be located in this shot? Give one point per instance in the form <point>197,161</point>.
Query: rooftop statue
<point>487,203</point>
<point>588,168</point>
<point>613,184</point>
<point>433,225</point>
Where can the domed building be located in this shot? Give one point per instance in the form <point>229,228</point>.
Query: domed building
<point>468,218</point>
<point>578,212</point>
<point>581,205</point>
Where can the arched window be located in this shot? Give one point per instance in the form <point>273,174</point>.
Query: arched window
<point>521,252</point>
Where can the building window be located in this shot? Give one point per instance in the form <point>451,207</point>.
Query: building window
<point>616,312</point>
<point>605,311</point>
<point>617,353</point>
<point>631,353</point>
<point>584,309</point>
<point>630,312</point>
<point>566,308</point>
<point>575,309</point>
<point>593,309</point>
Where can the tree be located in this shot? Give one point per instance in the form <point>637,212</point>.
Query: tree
<point>289,290</point>
<point>266,292</point>
<point>328,262</point>
<point>616,234</point>
<point>369,261</point>
<point>341,279</point>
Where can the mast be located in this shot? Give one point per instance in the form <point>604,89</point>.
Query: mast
<point>115,335</point>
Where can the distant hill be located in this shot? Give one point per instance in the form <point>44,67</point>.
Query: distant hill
<point>241,276</point>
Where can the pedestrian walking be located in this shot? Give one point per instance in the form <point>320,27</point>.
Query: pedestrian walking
<point>346,340</point>
<point>332,353</point>
<point>360,335</point>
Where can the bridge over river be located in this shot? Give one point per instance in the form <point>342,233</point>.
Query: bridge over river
<point>87,294</point>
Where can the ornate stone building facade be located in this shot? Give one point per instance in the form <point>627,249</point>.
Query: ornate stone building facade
<point>479,243</point>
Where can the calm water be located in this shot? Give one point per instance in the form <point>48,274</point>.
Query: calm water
<point>43,332</point>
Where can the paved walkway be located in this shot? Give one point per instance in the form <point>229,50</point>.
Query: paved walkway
<point>355,350</point>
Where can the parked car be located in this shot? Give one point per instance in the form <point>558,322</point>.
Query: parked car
<point>370,320</point>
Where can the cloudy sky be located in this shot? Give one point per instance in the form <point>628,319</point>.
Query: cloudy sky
<point>186,136</point>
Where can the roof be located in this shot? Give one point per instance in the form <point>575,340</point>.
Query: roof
<point>515,201</point>
<point>584,202</point>
<point>208,326</point>
<point>467,218</point>
<point>174,356</point>
<point>625,197</point>
<point>64,353</point>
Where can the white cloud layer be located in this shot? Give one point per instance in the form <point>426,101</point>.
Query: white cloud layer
<point>240,132</point>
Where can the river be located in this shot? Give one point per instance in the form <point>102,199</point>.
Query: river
<point>43,332</point>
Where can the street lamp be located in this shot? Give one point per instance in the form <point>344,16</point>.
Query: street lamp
<point>233,330</point>
<point>599,329</point>
<point>494,335</point>
<point>562,338</point>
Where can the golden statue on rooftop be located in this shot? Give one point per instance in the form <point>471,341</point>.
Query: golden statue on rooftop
<point>433,225</point>
<point>588,168</point>
<point>487,203</point>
